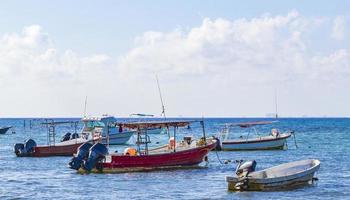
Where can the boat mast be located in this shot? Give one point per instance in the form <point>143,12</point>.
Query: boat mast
<point>276,113</point>
<point>161,98</point>
<point>85,106</point>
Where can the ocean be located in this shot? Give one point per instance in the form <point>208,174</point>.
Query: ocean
<point>325,139</point>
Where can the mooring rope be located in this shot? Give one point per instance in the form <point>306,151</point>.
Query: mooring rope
<point>217,155</point>
<point>295,141</point>
<point>226,161</point>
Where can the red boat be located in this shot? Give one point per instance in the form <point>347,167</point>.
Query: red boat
<point>183,154</point>
<point>67,147</point>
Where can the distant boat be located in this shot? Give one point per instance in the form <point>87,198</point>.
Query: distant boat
<point>4,129</point>
<point>275,140</point>
<point>281,177</point>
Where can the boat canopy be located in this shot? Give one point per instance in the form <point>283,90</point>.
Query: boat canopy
<point>92,124</point>
<point>155,124</point>
<point>141,115</point>
<point>52,123</point>
<point>250,124</point>
<point>98,118</point>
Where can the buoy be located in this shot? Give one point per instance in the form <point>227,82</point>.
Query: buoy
<point>130,151</point>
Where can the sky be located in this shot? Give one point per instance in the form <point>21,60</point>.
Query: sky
<point>213,58</point>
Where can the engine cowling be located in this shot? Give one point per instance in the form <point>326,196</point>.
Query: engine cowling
<point>246,167</point>
<point>97,153</point>
<point>74,136</point>
<point>25,149</point>
<point>18,148</point>
<point>66,137</point>
<point>82,154</point>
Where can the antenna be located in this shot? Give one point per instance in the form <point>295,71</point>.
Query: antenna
<point>161,98</point>
<point>276,113</point>
<point>85,106</point>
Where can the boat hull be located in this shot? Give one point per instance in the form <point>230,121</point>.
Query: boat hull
<point>60,149</point>
<point>280,185</point>
<point>276,182</point>
<point>264,144</point>
<point>46,151</point>
<point>3,130</point>
<point>182,159</point>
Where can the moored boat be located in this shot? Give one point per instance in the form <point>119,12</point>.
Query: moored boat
<point>66,147</point>
<point>281,177</point>
<point>183,154</point>
<point>275,140</point>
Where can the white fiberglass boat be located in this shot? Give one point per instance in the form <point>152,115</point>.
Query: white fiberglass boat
<point>281,177</point>
<point>275,140</point>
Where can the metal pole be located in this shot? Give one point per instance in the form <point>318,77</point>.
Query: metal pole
<point>175,127</point>
<point>205,138</point>
<point>107,134</point>
<point>85,106</point>
<point>276,112</point>
<point>146,141</point>
<point>161,98</point>
<point>138,140</point>
<point>163,107</point>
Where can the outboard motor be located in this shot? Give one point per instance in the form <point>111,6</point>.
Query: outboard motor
<point>18,148</point>
<point>66,137</point>
<point>97,153</point>
<point>242,172</point>
<point>246,167</point>
<point>25,149</point>
<point>74,136</point>
<point>83,152</point>
<point>218,144</point>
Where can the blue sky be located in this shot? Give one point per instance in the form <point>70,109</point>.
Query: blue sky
<point>111,26</point>
<point>208,55</point>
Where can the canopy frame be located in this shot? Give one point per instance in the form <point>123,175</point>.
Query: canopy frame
<point>142,126</point>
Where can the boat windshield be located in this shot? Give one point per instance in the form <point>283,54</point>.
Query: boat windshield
<point>93,124</point>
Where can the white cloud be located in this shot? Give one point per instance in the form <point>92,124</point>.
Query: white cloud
<point>221,67</point>
<point>259,50</point>
<point>338,29</point>
<point>223,59</point>
<point>31,56</point>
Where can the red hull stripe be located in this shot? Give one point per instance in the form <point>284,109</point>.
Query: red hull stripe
<point>257,141</point>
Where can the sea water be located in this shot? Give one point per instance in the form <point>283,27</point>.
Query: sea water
<point>326,139</point>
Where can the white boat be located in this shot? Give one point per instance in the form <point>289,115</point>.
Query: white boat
<point>281,177</point>
<point>97,126</point>
<point>155,130</point>
<point>275,140</point>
